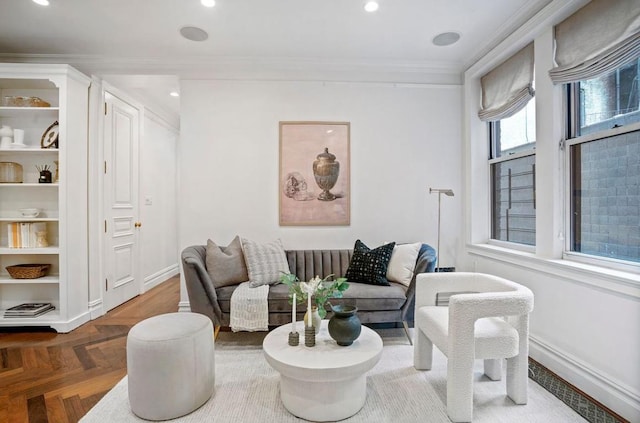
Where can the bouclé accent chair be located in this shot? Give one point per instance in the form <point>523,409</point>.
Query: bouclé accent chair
<point>491,323</point>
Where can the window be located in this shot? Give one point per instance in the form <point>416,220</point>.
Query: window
<point>608,101</point>
<point>604,156</point>
<point>513,215</point>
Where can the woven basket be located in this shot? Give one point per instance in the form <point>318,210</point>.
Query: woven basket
<point>28,271</point>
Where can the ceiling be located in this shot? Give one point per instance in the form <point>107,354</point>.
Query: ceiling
<point>259,39</point>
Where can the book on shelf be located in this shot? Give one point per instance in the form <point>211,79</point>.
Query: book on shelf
<point>27,234</point>
<point>28,310</point>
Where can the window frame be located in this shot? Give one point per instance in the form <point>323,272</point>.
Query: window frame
<point>571,103</point>
<point>492,130</point>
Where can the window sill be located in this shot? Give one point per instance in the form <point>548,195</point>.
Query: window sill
<point>616,281</point>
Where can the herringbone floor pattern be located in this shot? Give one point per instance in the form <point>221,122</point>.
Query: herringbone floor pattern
<point>57,378</point>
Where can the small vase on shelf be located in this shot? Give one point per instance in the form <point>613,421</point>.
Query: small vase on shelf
<point>6,136</point>
<point>315,318</point>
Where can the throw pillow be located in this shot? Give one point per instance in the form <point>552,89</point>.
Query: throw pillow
<point>403,263</point>
<point>226,265</point>
<point>265,262</point>
<point>369,266</point>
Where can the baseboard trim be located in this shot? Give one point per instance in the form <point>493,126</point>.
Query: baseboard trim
<point>69,325</point>
<point>160,276</point>
<point>612,394</point>
<point>96,309</point>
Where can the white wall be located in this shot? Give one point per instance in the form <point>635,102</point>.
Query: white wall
<point>586,323</point>
<point>404,139</point>
<point>158,208</point>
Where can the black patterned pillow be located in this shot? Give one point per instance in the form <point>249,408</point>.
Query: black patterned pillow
<point>369,266</point>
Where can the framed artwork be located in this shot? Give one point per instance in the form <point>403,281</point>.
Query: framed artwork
<point>314,174</point>
<point>50,137</point>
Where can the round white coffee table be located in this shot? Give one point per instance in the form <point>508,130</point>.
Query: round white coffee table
<point>326,382</point>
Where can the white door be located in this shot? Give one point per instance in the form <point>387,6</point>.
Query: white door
<point>121,231</point>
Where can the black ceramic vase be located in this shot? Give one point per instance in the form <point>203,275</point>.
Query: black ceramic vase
<point>344,326</point>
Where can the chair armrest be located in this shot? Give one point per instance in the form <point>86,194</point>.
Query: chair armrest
<point>201,291</point>
<point>491,304</point>
<point>490,292</point>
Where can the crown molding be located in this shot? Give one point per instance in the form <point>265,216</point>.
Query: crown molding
<point>259,68</point>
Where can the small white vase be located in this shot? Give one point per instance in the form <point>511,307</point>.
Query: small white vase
<point>6,135</point>
<point>315,318</point>
<point>18,136</point>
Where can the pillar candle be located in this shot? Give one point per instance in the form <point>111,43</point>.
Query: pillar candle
<point>293,314</point>
<point>309,310</point>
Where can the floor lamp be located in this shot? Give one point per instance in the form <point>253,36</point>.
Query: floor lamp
<point>449,193</point>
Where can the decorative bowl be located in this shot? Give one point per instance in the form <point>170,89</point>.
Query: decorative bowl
<point>30,212</point>
<point>20,101</point>
<point>28,271</point>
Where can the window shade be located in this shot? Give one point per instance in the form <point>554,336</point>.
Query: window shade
<point>508,87</point>
<point>597,39</point>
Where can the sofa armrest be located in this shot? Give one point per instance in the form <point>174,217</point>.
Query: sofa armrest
<point>201,291</point>
<point>425,263</point>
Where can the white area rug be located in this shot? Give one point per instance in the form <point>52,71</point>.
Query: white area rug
<point>247,390</point>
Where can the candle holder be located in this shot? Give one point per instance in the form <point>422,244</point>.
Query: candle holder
<point>294,339</point>
<point>309,336</point>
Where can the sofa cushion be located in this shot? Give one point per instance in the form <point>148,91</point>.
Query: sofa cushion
<point>265,262</point>
<point>364,296</point>
<point>225,265</point>
<point>369,266</point>
<point>403,263</point>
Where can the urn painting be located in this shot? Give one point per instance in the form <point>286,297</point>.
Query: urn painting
<point>326,170</point>
<point>314,173</point>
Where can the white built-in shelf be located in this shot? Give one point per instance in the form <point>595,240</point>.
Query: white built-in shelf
<point>5,279</point>
<point>22,111</point>
<point>29,184</point>
<point>33,150</point>
<point>66,90</point>
<point>17,251</point>
<point>41,320</point>
<point>27,219</point>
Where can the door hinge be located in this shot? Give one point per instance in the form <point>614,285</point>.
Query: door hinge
<point>105,226</point>
<point>105,108</point>
<point>106,284</point>
<point>105,166</point>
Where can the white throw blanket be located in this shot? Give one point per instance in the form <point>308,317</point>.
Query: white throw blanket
<point>249,308</point>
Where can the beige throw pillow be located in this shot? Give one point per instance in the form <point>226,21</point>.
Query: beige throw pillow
<point>403,263</point>
<point>226,265</point>
<point>265,262</point>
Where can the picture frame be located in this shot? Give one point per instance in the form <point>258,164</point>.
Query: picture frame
<point>314,174</point>
<point>50,136</point>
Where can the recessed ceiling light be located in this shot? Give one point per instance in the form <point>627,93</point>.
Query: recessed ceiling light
<point>208,3</point>
<point>174,94</point>
<point>42,2</point>
<point>193,33</point>
<point>371,6</point>
<point>446,38</point>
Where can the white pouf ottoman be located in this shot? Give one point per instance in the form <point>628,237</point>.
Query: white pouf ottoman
<point>170,365</point>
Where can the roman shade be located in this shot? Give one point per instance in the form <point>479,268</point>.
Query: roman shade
<point>598,38</point>
<point>509,87</point>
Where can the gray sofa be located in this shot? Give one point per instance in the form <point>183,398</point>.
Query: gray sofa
<point>376,304</point>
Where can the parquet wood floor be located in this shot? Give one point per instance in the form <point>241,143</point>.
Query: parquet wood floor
<point>46,377</point>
